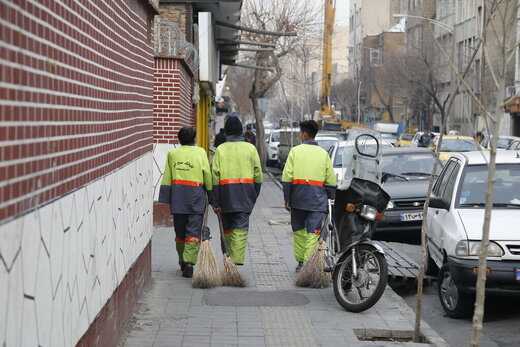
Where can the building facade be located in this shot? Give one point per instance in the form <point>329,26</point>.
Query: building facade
<point>76,136</point>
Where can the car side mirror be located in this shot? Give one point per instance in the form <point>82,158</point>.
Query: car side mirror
<point>266,140</point>
<point>441,203</point>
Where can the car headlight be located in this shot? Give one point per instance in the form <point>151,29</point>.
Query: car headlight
<point>472,248</point>
<point>368,212</point>
<point>390,205</point>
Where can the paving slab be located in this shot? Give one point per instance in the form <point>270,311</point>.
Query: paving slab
<point>271,311</point>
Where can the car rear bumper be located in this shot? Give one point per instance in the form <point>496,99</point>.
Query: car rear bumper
<point>500,280</point>
<point>393,222</point>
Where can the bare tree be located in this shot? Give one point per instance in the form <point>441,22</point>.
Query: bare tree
<point>279,16</point>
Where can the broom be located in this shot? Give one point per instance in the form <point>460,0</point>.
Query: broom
<point>229,276</point>
<point>311,274</point>
<point>206,272</point>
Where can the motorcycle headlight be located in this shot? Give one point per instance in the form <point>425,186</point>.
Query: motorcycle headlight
<point>390,205</point>
<point>472,248</point>
<point>368,212</point>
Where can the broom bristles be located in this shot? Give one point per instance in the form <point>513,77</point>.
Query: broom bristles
<point>206,272</point>
<point>230,276</point>
<point>311,274</point>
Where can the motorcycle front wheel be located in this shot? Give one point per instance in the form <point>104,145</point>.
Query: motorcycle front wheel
<point>359,293</point>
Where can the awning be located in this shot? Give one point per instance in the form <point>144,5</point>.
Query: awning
<point>512,105</point>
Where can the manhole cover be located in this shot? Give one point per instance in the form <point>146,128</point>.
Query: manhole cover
<point>252,298</point>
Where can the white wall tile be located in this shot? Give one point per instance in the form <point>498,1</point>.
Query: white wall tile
<point>123,216</point>
<point>30,327</point>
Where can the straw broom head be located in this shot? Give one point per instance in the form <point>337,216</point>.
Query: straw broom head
<point>230,276</point>
<point>311,274</point>
<point>206,272</point>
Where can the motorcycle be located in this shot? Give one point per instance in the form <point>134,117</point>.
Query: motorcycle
<point>358,265</point>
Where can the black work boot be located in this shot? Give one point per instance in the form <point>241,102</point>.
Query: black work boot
<point>182,265</point>
<point>188,271</point>
<point>299,266</point>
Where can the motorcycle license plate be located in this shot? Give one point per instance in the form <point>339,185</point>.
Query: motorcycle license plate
<point>410,217</point>
<point>517,273</point>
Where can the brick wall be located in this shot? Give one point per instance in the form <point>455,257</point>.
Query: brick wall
<point>181,15</point>
<point>173,108</point>
<point>77,83</point>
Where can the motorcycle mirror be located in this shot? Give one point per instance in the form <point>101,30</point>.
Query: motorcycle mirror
<point>367,145</point>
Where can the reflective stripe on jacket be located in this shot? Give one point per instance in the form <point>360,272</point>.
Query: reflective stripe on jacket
<point>186,179</point>
<point>307,170</point>
<point>237,176</point>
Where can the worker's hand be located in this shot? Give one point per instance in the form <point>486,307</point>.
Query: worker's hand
<point>217,209</point>
<point>288,206</point>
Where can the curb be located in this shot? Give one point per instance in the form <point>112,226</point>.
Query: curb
<point>433,338</point>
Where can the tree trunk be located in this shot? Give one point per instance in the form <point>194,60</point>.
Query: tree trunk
<point>478,315</point>
<point>260,132</point>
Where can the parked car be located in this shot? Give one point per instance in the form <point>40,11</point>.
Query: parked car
<point>514,145</point>
<point>272,141</point>
<point>455,219</point>
<point>503,141</point>
<point>285,145</point>
<point>407,190</point>
<point>405,140</point>
<point>336,154</point>
<point>454,144</point>
<point>418,135</point>
<point>327,139</point>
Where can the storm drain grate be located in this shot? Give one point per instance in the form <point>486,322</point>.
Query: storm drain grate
<point>387,335</point>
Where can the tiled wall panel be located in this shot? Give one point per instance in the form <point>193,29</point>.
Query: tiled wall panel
<point>61,263</point>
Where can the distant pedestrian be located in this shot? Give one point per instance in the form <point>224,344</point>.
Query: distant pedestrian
<point>424,140</point>
<point>186,179</point>
<point>220,138</point>
<point>249,135</point>
<point>307,170</point>
<point>237,178</point>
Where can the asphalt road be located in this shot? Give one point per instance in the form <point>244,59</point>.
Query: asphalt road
<point>502,314</point>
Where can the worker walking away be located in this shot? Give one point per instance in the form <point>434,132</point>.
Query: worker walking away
<point>186,181</point>
<point>220,138</point>
<point>249,136</point>
<point>307,170</point>
<point>237,178</point>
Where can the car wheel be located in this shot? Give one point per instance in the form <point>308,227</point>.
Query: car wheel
<point>454,303</point>
<point>431,269</point>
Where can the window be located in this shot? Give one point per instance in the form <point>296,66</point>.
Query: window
<point>375,57</point>
<point>448,191</point>
<point>442,181</point>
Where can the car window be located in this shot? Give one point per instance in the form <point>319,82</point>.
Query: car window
<point>275,137</point>
<point>472,192</point>
<point>407,137</point>
<point>450,186</point>
<point>458,145</point>
<point>411,163</point>
<point>440,185</point>
<point>326,143</point>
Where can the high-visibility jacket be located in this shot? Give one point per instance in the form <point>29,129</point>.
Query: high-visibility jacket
<point>237,175</point>
<point>307,169</point>
<point>186,178</point>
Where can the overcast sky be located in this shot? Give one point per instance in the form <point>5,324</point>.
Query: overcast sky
<point>342,12</point>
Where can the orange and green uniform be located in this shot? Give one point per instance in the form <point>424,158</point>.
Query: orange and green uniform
<point>186,181</point>
<point>307,170</point>
<point>237,178</point>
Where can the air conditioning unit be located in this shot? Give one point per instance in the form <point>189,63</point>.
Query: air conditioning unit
<point>510,91</point>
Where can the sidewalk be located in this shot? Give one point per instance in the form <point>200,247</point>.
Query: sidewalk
<point>271,311</point>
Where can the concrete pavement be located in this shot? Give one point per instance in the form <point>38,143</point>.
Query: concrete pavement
<point>271,311</point>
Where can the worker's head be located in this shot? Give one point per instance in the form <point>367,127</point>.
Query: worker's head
<point>308,130</point>
<point>249,128</point>
<point>187,136</point>
<point>233,126</point>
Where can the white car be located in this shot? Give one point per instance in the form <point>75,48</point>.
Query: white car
<point>417,136</point>
<point>272,140</point>
<point>336,154</point>
<point>454,229</point>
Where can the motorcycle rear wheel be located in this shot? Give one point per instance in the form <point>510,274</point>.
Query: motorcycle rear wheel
<point>361,293</point>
